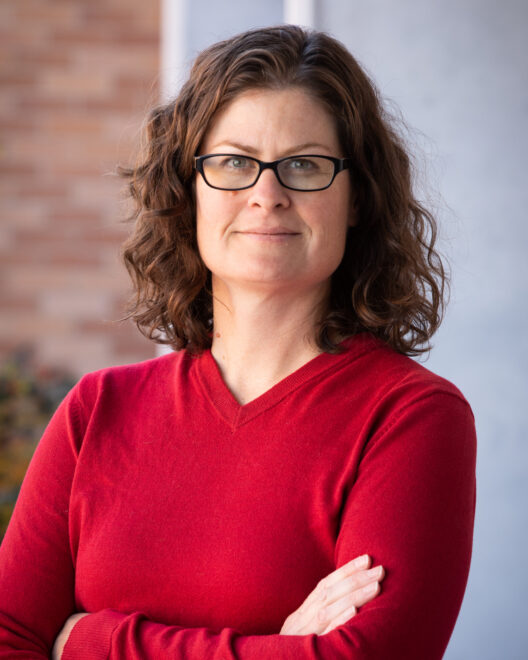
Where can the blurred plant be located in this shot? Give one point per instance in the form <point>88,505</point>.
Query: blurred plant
<point>29,396</point>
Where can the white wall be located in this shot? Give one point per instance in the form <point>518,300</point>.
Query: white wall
<point>458,70</point>
<point>212,20</point>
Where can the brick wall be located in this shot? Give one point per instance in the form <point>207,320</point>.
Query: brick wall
<point>77,79</point>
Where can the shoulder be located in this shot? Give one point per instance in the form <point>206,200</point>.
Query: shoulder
<point>408,409</point>
<point>131,382</point>
<point>395,380</point>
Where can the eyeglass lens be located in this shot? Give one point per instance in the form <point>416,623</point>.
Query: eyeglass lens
<point>301,173</point>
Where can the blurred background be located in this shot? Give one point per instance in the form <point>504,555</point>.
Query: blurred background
<point>78,78</point>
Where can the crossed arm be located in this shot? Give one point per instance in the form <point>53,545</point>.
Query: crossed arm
<point>332,603</point>
<point>412,510</point>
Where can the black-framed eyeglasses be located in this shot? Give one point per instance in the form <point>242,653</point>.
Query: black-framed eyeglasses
<point>307,172</point>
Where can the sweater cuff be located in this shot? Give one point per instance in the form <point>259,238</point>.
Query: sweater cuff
<point>91,636</point>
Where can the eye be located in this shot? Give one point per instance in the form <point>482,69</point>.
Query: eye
<point>302,164</point>
<point>235,162</point>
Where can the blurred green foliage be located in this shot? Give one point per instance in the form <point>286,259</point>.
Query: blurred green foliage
<point>29,396</point>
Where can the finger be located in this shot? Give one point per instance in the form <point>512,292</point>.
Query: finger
<point>366,594</point>
<point>330,603</point>
<point>343,609</point>
<point>356,599</point>
<point>345,616</point>
<point>350,588</point>
<point>359,563</point>
<point>318,616</point>
<point>353,584</point>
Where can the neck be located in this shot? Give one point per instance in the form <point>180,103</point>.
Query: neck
<point>260,338</point>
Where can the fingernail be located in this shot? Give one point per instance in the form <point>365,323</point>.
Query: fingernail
<point>361,561</point>
<point>375,572</point>
<point>370,588</point>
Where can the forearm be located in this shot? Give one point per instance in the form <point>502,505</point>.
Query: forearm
<point>334,602</point>
<point>109,634</point>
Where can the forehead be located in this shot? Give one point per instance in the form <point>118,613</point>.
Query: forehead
<point>271,118</point>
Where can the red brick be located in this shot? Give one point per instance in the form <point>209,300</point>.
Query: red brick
<point>38,188</point>
<point>77,80</point>
<point>17,78</point>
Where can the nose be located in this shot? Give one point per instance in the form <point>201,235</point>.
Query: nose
<point>267,192</point>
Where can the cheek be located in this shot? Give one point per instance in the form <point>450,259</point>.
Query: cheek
<point>333,220</point>
<point>333,227</point>
<point>213,207</point>
<point>212,221</point>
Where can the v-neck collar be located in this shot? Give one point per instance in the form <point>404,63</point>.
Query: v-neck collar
<point>236,414</point>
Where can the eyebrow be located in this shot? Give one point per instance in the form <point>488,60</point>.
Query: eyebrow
<point>251,150</point>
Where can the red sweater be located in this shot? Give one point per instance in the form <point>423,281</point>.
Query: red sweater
<point>190,526</point>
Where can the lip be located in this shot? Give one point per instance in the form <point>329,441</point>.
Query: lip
<point>269,235</point>
<point>269,231</point>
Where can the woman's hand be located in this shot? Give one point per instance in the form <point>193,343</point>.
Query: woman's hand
<point>336,598</point>
<point>62,637</point>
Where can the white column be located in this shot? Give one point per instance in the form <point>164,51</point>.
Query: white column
<point>173,46</point>
<point>301,12</point>
<point>173,49</point>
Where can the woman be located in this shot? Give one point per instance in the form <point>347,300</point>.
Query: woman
<point>229,499</point>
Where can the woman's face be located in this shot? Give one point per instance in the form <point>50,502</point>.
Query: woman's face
<point>269,236</point>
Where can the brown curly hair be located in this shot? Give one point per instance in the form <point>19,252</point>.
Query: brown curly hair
<point>391,281</point>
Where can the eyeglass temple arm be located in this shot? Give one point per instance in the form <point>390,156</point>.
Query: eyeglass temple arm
<point>342,164</point>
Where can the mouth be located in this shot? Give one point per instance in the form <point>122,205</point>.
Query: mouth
<point>269,235</point>
<point>269,231</point>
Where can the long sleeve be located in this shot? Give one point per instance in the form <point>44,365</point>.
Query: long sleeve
<point>411,507</point>
<point>189,527</point>
<point>36,571</point>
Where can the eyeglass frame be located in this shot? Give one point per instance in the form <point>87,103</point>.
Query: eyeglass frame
<point>340,164</point>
